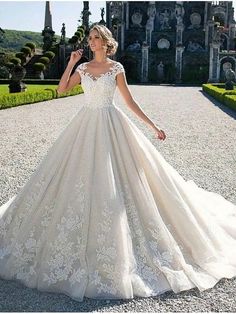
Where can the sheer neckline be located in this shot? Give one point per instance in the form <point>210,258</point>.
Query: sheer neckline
<point>95,78</point>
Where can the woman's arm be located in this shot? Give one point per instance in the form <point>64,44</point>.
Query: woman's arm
<point>67,82</point>
<point>132,104</point>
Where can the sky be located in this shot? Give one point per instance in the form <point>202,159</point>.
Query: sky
<point>29,15</point>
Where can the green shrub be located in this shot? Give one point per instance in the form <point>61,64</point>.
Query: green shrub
<point>226,97</point>
<point>22,98</point>
<point>44,60</point>
<point>79,35</point>
<point>73,39</point>
<point>26,50</point>
<point>230,101</point>
<point>31,45</point>
<point>19,55</point>
<point>53,49</point>
<point>38,66</point>
<point>15,60</point>
<point>17,99</point>
<point>4,72</point>
<point>49,54</point>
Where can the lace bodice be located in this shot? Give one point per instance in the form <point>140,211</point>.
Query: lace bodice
<point>99,91</point>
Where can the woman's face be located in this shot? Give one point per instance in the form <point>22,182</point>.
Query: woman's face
<point>95,41</point>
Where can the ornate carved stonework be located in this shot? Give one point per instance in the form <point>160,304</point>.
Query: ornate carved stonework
<point>137,18</point>
<point>163,43</point>
<point>195,19</point>
<point>178,33</point>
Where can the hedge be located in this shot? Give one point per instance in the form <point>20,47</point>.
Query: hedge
<point>23,98</point>
<point>227,97</point>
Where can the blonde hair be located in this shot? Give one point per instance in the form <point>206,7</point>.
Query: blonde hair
<point>106,35</point>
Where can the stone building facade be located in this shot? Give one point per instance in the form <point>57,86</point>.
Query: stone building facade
<point>173,41</point>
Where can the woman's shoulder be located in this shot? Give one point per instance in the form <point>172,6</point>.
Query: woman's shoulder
<point>81,66</point>
<point>118,67</point>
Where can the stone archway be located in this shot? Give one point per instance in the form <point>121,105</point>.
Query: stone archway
<point>226,62</point>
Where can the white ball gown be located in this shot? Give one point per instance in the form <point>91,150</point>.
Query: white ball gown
<point>105,216</point>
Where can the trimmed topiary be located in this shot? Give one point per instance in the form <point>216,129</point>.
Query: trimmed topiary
<point>26,50</point>
<point>80,36</point>
<point>19,55</point>
<point>49,54</point>
<point>44,60</point>
<point>15,60</point>
<point>31,45</point>
<point>38,66</point>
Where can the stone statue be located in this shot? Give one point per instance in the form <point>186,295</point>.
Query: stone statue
<point>151,12</point>
<point>217,34</point>
<point>195,19</point>
<point>102,16</point>
<point>102,13</point>
<point>137,19</point>
<point>135,46</point>
<point>179,12</point>
<point>63,33</point>
<point>230,79</point>
<point>164,20</point>
<point>160,71</point>
<point>193,47</point>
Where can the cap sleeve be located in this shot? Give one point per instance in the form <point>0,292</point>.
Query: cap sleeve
<point>118,68</point>
<point>80,68</point>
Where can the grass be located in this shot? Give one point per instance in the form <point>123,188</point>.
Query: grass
<point>30,88</point>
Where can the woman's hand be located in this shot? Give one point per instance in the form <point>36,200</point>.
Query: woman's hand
<point>76,56</point>
<point>160,134</point>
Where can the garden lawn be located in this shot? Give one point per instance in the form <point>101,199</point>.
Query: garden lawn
<point>30,88</point>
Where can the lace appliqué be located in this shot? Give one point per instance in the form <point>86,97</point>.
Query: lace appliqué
<point>147,272</point>
<point>99,91</point>
<point>67,256</point>
<point>64,251</point>
<point>106,255</point>
<point>16,214</point>
<point>115,69</point>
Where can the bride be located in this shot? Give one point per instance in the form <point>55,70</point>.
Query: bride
<point>104,215</point>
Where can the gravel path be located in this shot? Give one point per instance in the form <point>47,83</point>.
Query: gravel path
<point>200,145</point>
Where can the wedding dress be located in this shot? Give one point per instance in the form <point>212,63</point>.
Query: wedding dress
<point>105,216</point>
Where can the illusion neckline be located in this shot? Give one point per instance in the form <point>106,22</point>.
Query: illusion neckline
<point>95,78</point>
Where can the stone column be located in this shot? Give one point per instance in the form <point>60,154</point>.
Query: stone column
<point>232,34</point>
<point>178,62</point>
<point>214,63</point>
<point>144,68</point>
<point>149,37</point>
<point>205,14</point>
<point>62,58</point>
<point>209,32</point>
<point>179,34</point>
<point>122,35</point>
<point>127,16</point>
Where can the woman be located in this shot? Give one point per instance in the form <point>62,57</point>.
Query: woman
<point>105,215</point>
<point>99,65</point>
